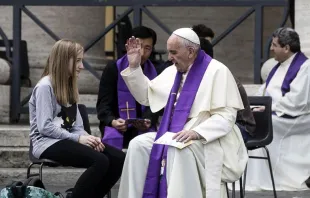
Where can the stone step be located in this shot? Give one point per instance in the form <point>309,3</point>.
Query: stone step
<point>14,157</point>
<point>51,176</point>
<point>14,135</point>
<point>18,135</point>
<point>14,145</point>
<point>5,95</point>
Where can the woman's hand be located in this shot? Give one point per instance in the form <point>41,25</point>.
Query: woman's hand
<point>92,141</point>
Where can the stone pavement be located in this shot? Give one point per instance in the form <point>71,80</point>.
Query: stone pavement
<point>264,194</point>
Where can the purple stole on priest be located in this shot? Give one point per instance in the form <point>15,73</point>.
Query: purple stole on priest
<point>173,120</point>
<point>291,73</point>
<point>126,102</point>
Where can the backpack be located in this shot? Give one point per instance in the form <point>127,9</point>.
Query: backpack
<point>29,188</point>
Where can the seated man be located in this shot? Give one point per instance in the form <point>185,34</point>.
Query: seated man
<point>201,101</point>
<point>288,84</point>
<point>115,104</point>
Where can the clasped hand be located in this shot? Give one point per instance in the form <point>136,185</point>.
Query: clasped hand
<point>92,141</point>
<point>185,136</point>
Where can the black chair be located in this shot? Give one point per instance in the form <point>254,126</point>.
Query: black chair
<point>84,115</point>
<point>263,133</point>
<point>51,163</point>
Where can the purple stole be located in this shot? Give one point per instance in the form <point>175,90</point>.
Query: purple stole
<point>173,121</point>
<point>126,102</point>
<point>291,73</point>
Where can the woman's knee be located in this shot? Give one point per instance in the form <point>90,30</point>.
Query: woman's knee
<point>101,161</point>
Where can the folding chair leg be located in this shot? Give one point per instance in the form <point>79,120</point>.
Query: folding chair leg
<point>241,188</point>
<point>227,190</point>
<point>109,194</point>
<point>40,172</point>
<point>244,179</point>
<point>271,174</point>
<point>28,170</point>
<point>233,193</point>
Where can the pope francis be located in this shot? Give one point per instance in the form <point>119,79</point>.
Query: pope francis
<point>200,100</point>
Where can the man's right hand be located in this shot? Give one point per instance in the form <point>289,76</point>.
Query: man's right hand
<point>119,124</point>
<point>133,47</point>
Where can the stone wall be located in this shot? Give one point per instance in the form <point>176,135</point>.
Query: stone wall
<point>79,23</point>
<point>302,25</point>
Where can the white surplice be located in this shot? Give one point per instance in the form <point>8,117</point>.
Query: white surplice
<point>289,150</point>
<point>201,169</point>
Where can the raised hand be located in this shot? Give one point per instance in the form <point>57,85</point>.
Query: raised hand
<point>133,47</point>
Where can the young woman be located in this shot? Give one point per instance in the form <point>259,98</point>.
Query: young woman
<point>57,131</point>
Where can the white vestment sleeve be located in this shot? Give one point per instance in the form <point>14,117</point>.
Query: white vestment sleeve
<point>297,100</point>
<point>218,125</point>
<point>152,93</point>
<point>137,84</point>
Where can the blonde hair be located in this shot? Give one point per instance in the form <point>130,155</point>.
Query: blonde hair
<point>57,67</point>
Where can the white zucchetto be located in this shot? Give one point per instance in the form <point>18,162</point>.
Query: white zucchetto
<point>188,34</point>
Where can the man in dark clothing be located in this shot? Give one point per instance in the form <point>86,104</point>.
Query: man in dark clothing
<point>203,31</point>
<point>115,104</point>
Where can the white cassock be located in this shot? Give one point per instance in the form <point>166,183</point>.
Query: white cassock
<point>200,170</point>
<point>289,150</point>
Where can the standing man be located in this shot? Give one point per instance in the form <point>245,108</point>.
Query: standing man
<point>115,103</point>
<point>201,101</point>
<point>288,84</point>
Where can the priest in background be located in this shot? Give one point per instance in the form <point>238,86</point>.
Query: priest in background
<point>115,104</point>
<point>201,101</point>
<point>288,83</point>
